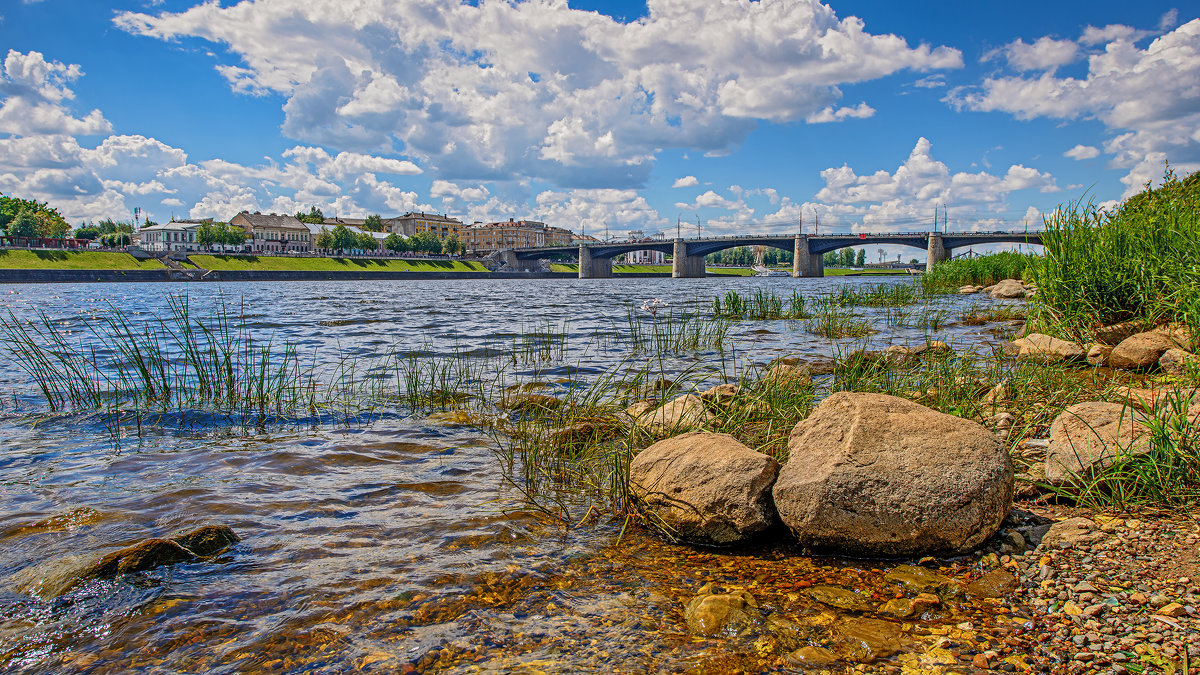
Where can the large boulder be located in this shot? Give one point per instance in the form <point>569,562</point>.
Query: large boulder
<point>1114,334</point>
<point>1090,436</point>
<point>1140,351</point>
<point>871,474</point>
<point>1039,347</point>
<point>1009,289</point>
<point>705,488</point>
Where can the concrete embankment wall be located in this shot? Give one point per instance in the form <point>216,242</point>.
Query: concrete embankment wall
<point>16,276</point>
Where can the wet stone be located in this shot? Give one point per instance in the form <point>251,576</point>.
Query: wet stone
<point>870,639</point>
<point>838,598</point>
<point>711,613</point>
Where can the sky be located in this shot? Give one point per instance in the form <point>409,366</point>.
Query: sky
<point>680,116</point>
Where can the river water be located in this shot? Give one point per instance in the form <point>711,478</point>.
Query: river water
<point>385,543</point>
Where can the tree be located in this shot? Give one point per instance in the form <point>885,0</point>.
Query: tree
<point>846,257</point>
<point>452,246</point>
<point>206,234</point>
<point>829,259</point>
<point>374,223</point>
<point>24,225</point>
<point>395,243</point>
<point>314,216</point>
<point>366,241</point>
<point>231,235</point>
<point>861,258</point>
<point>343,239</point>
<point>426,242</point>
<point>914,261</point>
<point>324,240</point>
<point>115,239</point>
<point>47,221</point>
<point>88,232</point>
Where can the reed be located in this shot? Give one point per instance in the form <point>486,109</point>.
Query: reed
<point>831,320</point>
<point>985,270</point>
<point>675,333</point>
<point>878,295</point>
<point>1138,262</point>
<point>759,305</point>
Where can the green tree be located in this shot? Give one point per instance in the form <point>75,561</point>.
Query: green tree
<point>206,234</point>
<point>846,257</point>
<point>861,258</point>
<point>324,240</point>
<point>314,216</point>
<point>366,241</point>
<point>110,226</point>
<point>374,223</point>
<point>426,242</point>
<point>24,225</point>
<point>231,235</point>
<point>49,219</point>
<point>115,239</point>
<point>830,259</point>
<point>914,261</point>
<point>343,239</point>
<point>88,232</point>
<point>452,246</point>
<point>395,243</point>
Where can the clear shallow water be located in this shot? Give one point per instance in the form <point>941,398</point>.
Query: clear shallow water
<point>392,541</point>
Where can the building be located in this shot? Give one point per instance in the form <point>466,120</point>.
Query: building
<point>645,257</point>
<point>488,237</point>
<point>411,223</point>
<point>270,233</point>
<point>177,235</point>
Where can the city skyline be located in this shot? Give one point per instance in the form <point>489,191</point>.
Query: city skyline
<point>636,117</point>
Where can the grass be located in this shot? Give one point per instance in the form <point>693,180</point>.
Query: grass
<point>651,269</point>
<point>281,263</point>
<point>74,260</point>
<point>759,305</point>
<point>878,295</point>
<point>1167,474</point>
<point>1139,262</point>
<point>846,272</point>
<point>985,270</point>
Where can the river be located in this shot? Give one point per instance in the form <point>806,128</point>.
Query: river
<point>385,542</point>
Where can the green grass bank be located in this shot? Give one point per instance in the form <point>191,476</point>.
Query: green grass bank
<point>283,264</point>
<point>73,260</point>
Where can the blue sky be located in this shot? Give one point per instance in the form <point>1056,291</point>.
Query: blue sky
<point>866,116</point>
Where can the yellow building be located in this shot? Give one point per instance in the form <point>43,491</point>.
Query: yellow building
<point>415,223</point>
<point>488,237</point>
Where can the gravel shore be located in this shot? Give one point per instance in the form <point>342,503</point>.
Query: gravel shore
<point>1112,594</point>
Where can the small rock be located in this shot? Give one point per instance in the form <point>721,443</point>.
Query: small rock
<point>711,613</point>
<point>1172,609</point>
<point>816,657</point>
<point>1098,354</point>
<point>1140,351</point>
<point>1176,361</point>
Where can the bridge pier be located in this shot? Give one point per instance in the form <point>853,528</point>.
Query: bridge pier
<point>805,264</point>
<point>937,252</point>
<point>684,266</point>
<point>593,268</point>
<point>510,259</point>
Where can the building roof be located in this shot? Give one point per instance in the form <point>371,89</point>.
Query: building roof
<point>172,225</point>
<point>271,220</point>
<point>424,216</point>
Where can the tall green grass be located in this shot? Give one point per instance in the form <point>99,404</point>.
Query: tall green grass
<point>1139,262</point>
<point>949,276</point>
<point>759,305</point>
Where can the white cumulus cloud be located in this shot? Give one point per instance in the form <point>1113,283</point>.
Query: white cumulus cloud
<point>860,111</point>
<point>1081,152</point>
<point>535,89</point>
<point>685,181</point>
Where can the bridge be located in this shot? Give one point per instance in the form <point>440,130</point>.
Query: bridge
<point>595,258</point>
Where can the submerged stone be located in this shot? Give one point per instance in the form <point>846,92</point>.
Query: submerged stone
<point>711,613</point>
<point>838,598</point>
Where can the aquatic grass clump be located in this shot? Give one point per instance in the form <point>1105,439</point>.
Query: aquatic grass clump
<point>671,333</point>
<point>180,360</point>
<point>831,320</point>
<point>878,295</point>
<point>979,314</point>
<point>984,270</point>
<point>760,305</point>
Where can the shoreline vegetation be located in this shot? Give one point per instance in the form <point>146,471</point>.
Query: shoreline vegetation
<point>1105,278</point>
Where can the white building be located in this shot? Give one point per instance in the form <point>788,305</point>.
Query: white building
<point>645,257</point>
<point>177,235</point>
